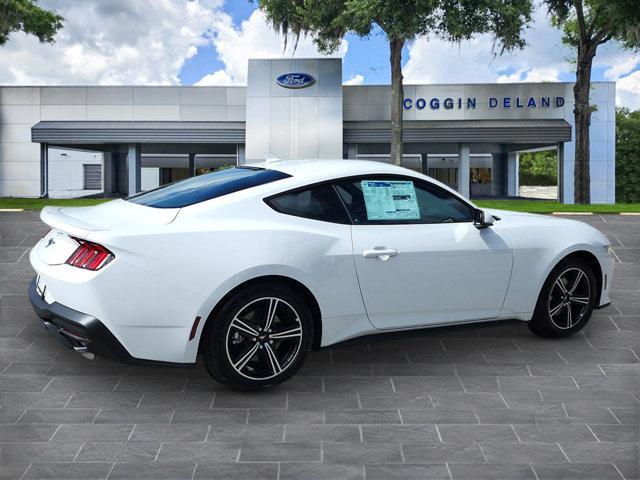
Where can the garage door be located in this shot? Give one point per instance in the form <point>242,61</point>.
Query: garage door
<point>92,177</point>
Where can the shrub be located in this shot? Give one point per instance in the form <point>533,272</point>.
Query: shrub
<point>627,156</point>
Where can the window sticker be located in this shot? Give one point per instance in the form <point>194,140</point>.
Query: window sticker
<point>390,200</point>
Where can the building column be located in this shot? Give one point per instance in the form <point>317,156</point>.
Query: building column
<point>352,151</point>
<point>192,164</point>
<point>241,159</point>
<point>513,166</point>
<point>424,161</point>
<point>463,168</point>
<point>134,166</point>
<point>44,170</point>
<point>561,175</point>
<point>108,175</point>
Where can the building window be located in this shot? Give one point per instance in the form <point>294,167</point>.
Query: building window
<point>92,177</point>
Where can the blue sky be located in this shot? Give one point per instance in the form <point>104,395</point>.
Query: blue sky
<point>368,56</point>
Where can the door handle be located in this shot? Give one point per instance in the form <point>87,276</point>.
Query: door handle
<point>380,252</point>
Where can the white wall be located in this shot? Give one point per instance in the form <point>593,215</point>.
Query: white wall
<point>602,138</point>
<point>150,178</point>
<point>302,123</point>
<point>66,172</point>
<point>19,158</point>
<point>23,107</point>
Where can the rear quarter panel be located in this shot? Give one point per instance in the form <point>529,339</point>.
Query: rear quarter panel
<point>213,247</point>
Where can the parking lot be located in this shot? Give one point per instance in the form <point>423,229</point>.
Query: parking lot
<point>491,401</point>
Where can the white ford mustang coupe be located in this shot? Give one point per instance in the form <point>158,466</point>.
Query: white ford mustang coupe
<point>253,266</point>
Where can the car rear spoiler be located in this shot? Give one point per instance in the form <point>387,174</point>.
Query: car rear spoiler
<point>56,218</point>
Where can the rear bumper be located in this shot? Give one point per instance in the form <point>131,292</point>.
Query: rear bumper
<point>82,332</point>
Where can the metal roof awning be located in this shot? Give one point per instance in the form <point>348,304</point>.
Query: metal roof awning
<point>476,131</point>
<point>435,131</point>
<point>137,132</point>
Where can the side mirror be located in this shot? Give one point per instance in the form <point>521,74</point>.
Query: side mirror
<point>482,219</point>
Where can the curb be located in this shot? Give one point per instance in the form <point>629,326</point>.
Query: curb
<point>572,213</point>
<point>591,213</point>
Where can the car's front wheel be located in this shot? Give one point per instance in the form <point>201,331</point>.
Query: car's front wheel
<point>566,301</point>
<point>259,338</point>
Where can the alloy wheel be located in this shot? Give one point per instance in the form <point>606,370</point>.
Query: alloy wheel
<point>569,298</point>
<point>263,339</point>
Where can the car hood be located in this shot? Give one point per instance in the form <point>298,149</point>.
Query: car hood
<point>582,231</point>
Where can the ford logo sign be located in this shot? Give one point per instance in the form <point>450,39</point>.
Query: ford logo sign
<point>295,80</point>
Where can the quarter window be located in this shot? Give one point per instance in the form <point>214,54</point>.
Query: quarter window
<point>392,200</point>
<point>317,203</point>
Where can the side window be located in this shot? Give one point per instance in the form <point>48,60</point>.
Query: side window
<point>317,203</point>
<point>440,206</point>
<point>400,200</point>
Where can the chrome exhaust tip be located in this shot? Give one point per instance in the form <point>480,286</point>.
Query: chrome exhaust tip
<point>70,340</point>
<point>84,351</point>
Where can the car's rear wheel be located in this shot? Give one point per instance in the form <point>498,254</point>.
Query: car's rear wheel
<point>566,301</point>
<point>259,338</point>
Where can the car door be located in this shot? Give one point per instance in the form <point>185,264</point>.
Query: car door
<point>419,258</point>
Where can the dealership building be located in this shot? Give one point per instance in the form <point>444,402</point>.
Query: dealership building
<point>83,140</point>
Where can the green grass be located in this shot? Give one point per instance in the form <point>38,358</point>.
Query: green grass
<point>543,206</point>
<point>539,206</point>
<point>38,203</point>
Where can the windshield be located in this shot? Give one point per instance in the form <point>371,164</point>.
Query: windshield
<point>205,187</point>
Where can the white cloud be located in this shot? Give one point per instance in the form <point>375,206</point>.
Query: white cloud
<point>628,91</point>
<point>531,75</point>
<point>621,70</point>
<point>622,65</point>
<point>436,61</point>
<point>219,77</point>
<point>253,39</point>
<point>545,58</point>
<point>357,79</point>
<point>115,42</point>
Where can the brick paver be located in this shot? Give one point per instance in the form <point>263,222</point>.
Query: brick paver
<point>490,401</point>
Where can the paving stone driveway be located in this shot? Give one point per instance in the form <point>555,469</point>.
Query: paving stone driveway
<point>486,402</point>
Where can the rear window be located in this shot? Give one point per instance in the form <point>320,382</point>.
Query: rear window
<point>205,187</point>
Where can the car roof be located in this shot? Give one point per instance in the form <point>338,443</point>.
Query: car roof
<point>307,172</point>
<point>311,171</point>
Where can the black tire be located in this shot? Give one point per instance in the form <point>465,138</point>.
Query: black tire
<point>561,312</point>
<point>231,337</point>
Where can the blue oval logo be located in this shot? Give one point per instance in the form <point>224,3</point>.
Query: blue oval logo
<point>295,80</point>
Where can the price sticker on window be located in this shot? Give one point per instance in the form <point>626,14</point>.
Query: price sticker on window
<point>390,200</point>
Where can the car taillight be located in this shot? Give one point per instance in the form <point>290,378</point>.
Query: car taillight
<point>89,255</point>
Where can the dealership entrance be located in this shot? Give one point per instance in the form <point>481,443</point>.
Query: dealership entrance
<point>486,165</point>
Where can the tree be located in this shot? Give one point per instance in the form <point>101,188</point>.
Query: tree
<point>28,17</point>
<point>587,24</point>
<point>627,155</point>
<point>539,168</point>
<point>328,21</point>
